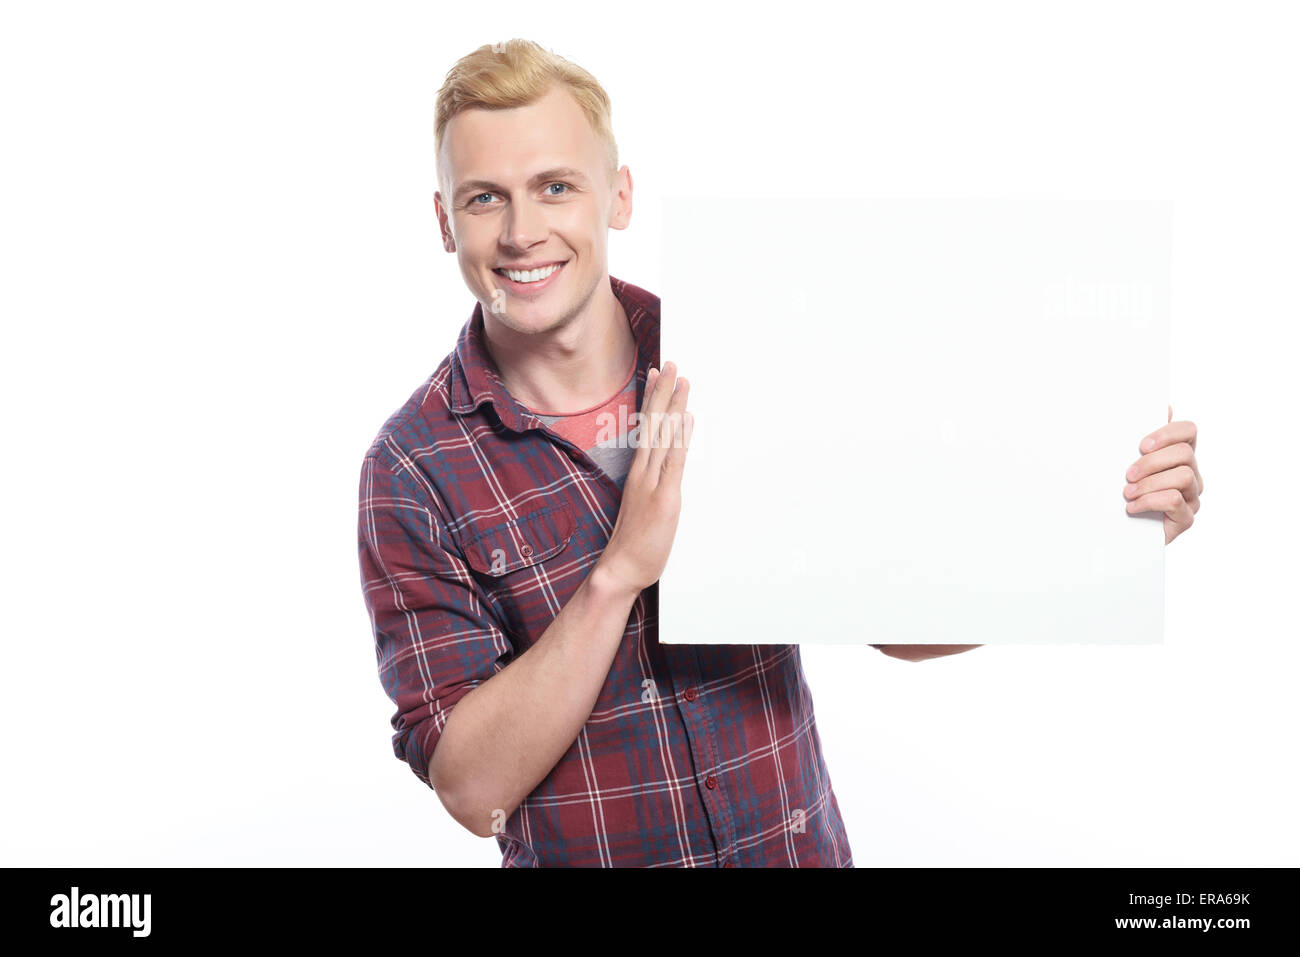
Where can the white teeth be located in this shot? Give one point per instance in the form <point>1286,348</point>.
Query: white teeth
<point>531,275</point>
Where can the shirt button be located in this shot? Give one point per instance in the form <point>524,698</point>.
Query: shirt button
<point>710,782</point>
<point>526,550</point>
<point>690,694</point>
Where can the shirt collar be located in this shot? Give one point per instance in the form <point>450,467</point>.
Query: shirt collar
<point>474,377</point>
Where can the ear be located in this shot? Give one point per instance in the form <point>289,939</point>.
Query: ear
<point>444,225</point>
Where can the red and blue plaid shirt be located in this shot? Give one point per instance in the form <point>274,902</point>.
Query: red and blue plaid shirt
<point>477,524</point>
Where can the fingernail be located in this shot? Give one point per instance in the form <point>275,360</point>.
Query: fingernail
<point>1148,444</point>
<point>1130,489</point>
<point>1132,473</point>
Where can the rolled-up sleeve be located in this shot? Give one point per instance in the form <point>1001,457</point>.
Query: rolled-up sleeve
<point>435,642</point>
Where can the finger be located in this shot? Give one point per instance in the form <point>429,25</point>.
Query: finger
<point>670,426</point>
<point>1166,500</point>
<point>675,460</point>
<point>1178,514</point>
<point>664,386</point>
<point>651,378</point>
<point>1181,477</point>
<point>663,434</point>
<point>1169,434</point>
<point>642,453</point>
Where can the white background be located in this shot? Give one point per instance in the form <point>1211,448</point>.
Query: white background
<point>221,273</point>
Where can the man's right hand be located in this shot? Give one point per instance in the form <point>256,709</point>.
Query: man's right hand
<point>643,534</point>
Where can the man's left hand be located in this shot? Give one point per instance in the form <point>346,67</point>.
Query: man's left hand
<point>1166,479</point>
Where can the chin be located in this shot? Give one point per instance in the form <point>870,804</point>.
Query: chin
<point>526,320</point>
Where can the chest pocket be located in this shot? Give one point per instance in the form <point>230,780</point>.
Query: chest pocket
<point>503,549</point>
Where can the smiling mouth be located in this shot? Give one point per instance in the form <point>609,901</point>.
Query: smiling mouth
<point>528,276</point>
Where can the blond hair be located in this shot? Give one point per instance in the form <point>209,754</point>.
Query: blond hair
<point>517,72</point>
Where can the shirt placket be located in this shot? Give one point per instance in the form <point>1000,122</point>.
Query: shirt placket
<point>706,750</point>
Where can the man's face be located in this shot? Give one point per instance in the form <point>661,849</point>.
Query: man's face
<point>528,187</point>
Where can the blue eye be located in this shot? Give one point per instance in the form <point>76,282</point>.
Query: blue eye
<point>565,185</point>
<point>479,196</point>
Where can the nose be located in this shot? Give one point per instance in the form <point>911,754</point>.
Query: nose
<point>524,225</point>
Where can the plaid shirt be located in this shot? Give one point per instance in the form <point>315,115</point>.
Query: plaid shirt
<point>477,524</point>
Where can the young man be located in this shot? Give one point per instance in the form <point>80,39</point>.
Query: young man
<point>514,524</point>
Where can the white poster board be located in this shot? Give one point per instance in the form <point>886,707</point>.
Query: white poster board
<point>913,419</point>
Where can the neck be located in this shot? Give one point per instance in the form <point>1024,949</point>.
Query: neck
<point>571,366</point>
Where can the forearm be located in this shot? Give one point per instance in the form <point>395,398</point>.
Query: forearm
<point>507,734</point>
<point>923,652</point>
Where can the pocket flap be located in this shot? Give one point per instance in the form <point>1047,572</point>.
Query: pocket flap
<point>526,540</point>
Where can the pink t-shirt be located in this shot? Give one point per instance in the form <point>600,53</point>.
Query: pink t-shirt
<point>602,431</point>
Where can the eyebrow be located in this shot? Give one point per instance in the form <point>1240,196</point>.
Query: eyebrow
<point>486,186</point>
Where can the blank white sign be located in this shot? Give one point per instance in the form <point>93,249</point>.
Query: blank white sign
<point>913,419</point>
